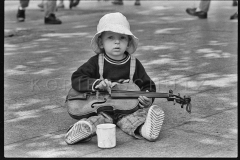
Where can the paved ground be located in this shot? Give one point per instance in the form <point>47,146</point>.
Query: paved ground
<point>180,52</point>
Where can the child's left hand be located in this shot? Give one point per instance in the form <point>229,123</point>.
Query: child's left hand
<point>144,101</point>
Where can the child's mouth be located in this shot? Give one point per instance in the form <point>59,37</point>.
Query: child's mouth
<point>116,48</point>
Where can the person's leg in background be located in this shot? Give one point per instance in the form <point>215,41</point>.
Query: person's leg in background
<point>204,6</point>
<point>49,15</point>
<point>235,15</point>
<point>23,4</point>
<point>201,11</point>
<point>60,4</point>
<point>41,5</point>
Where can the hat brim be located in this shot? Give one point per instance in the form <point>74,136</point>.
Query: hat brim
<point>117,29</point>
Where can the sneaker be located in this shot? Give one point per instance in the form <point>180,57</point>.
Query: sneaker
<point>21,15</point>
<point>51,19</point>
<point>152,126</point>
<point>80,131</point>
<point>200,14</point>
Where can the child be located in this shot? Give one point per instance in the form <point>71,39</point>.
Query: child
<point>115,43</point>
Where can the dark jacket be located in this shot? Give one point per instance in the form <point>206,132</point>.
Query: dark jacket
<point>113,70</point>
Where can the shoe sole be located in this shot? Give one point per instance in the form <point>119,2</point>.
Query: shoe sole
<point>117,3</point>
<point>78,133</point>
<point>52,23</point>
<point>154,122</point>
<point>202,17</point>
<point>21,20</point>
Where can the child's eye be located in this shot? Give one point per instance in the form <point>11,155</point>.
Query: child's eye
<point>110,37</point>
<point>123,37</point>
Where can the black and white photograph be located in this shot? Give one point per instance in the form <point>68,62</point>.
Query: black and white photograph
<point>120,79</point>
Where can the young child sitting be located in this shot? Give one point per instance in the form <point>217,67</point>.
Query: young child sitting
<point>115,43</point>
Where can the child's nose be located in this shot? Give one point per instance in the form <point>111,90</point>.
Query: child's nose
<point>117,40</point>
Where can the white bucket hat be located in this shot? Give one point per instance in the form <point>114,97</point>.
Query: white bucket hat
<point>114,22</point>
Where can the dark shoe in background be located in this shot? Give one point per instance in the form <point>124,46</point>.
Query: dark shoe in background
<point>200,14</point>
<point>52,19</point>
<point>117,2</point>
<point>191,11</point>
<point>137,3</point>
<point>234,16</point>
<point>235,3</point>
<point>21,15</point>
<point>73,3</point>
<point>76,2</point>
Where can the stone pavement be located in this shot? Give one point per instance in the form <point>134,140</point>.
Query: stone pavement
<point>180,52</point>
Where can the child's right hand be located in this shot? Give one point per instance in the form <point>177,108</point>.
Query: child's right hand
<point>105,85</point>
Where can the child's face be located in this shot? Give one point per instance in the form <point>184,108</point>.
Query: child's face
<point>114,44</point>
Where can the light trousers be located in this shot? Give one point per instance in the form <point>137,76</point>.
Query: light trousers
<point>127,123</point>
<point>204,5</point>
<point>49,6</point>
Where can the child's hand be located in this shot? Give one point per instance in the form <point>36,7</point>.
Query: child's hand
<point>144,101</point>
<point>105,85</point>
